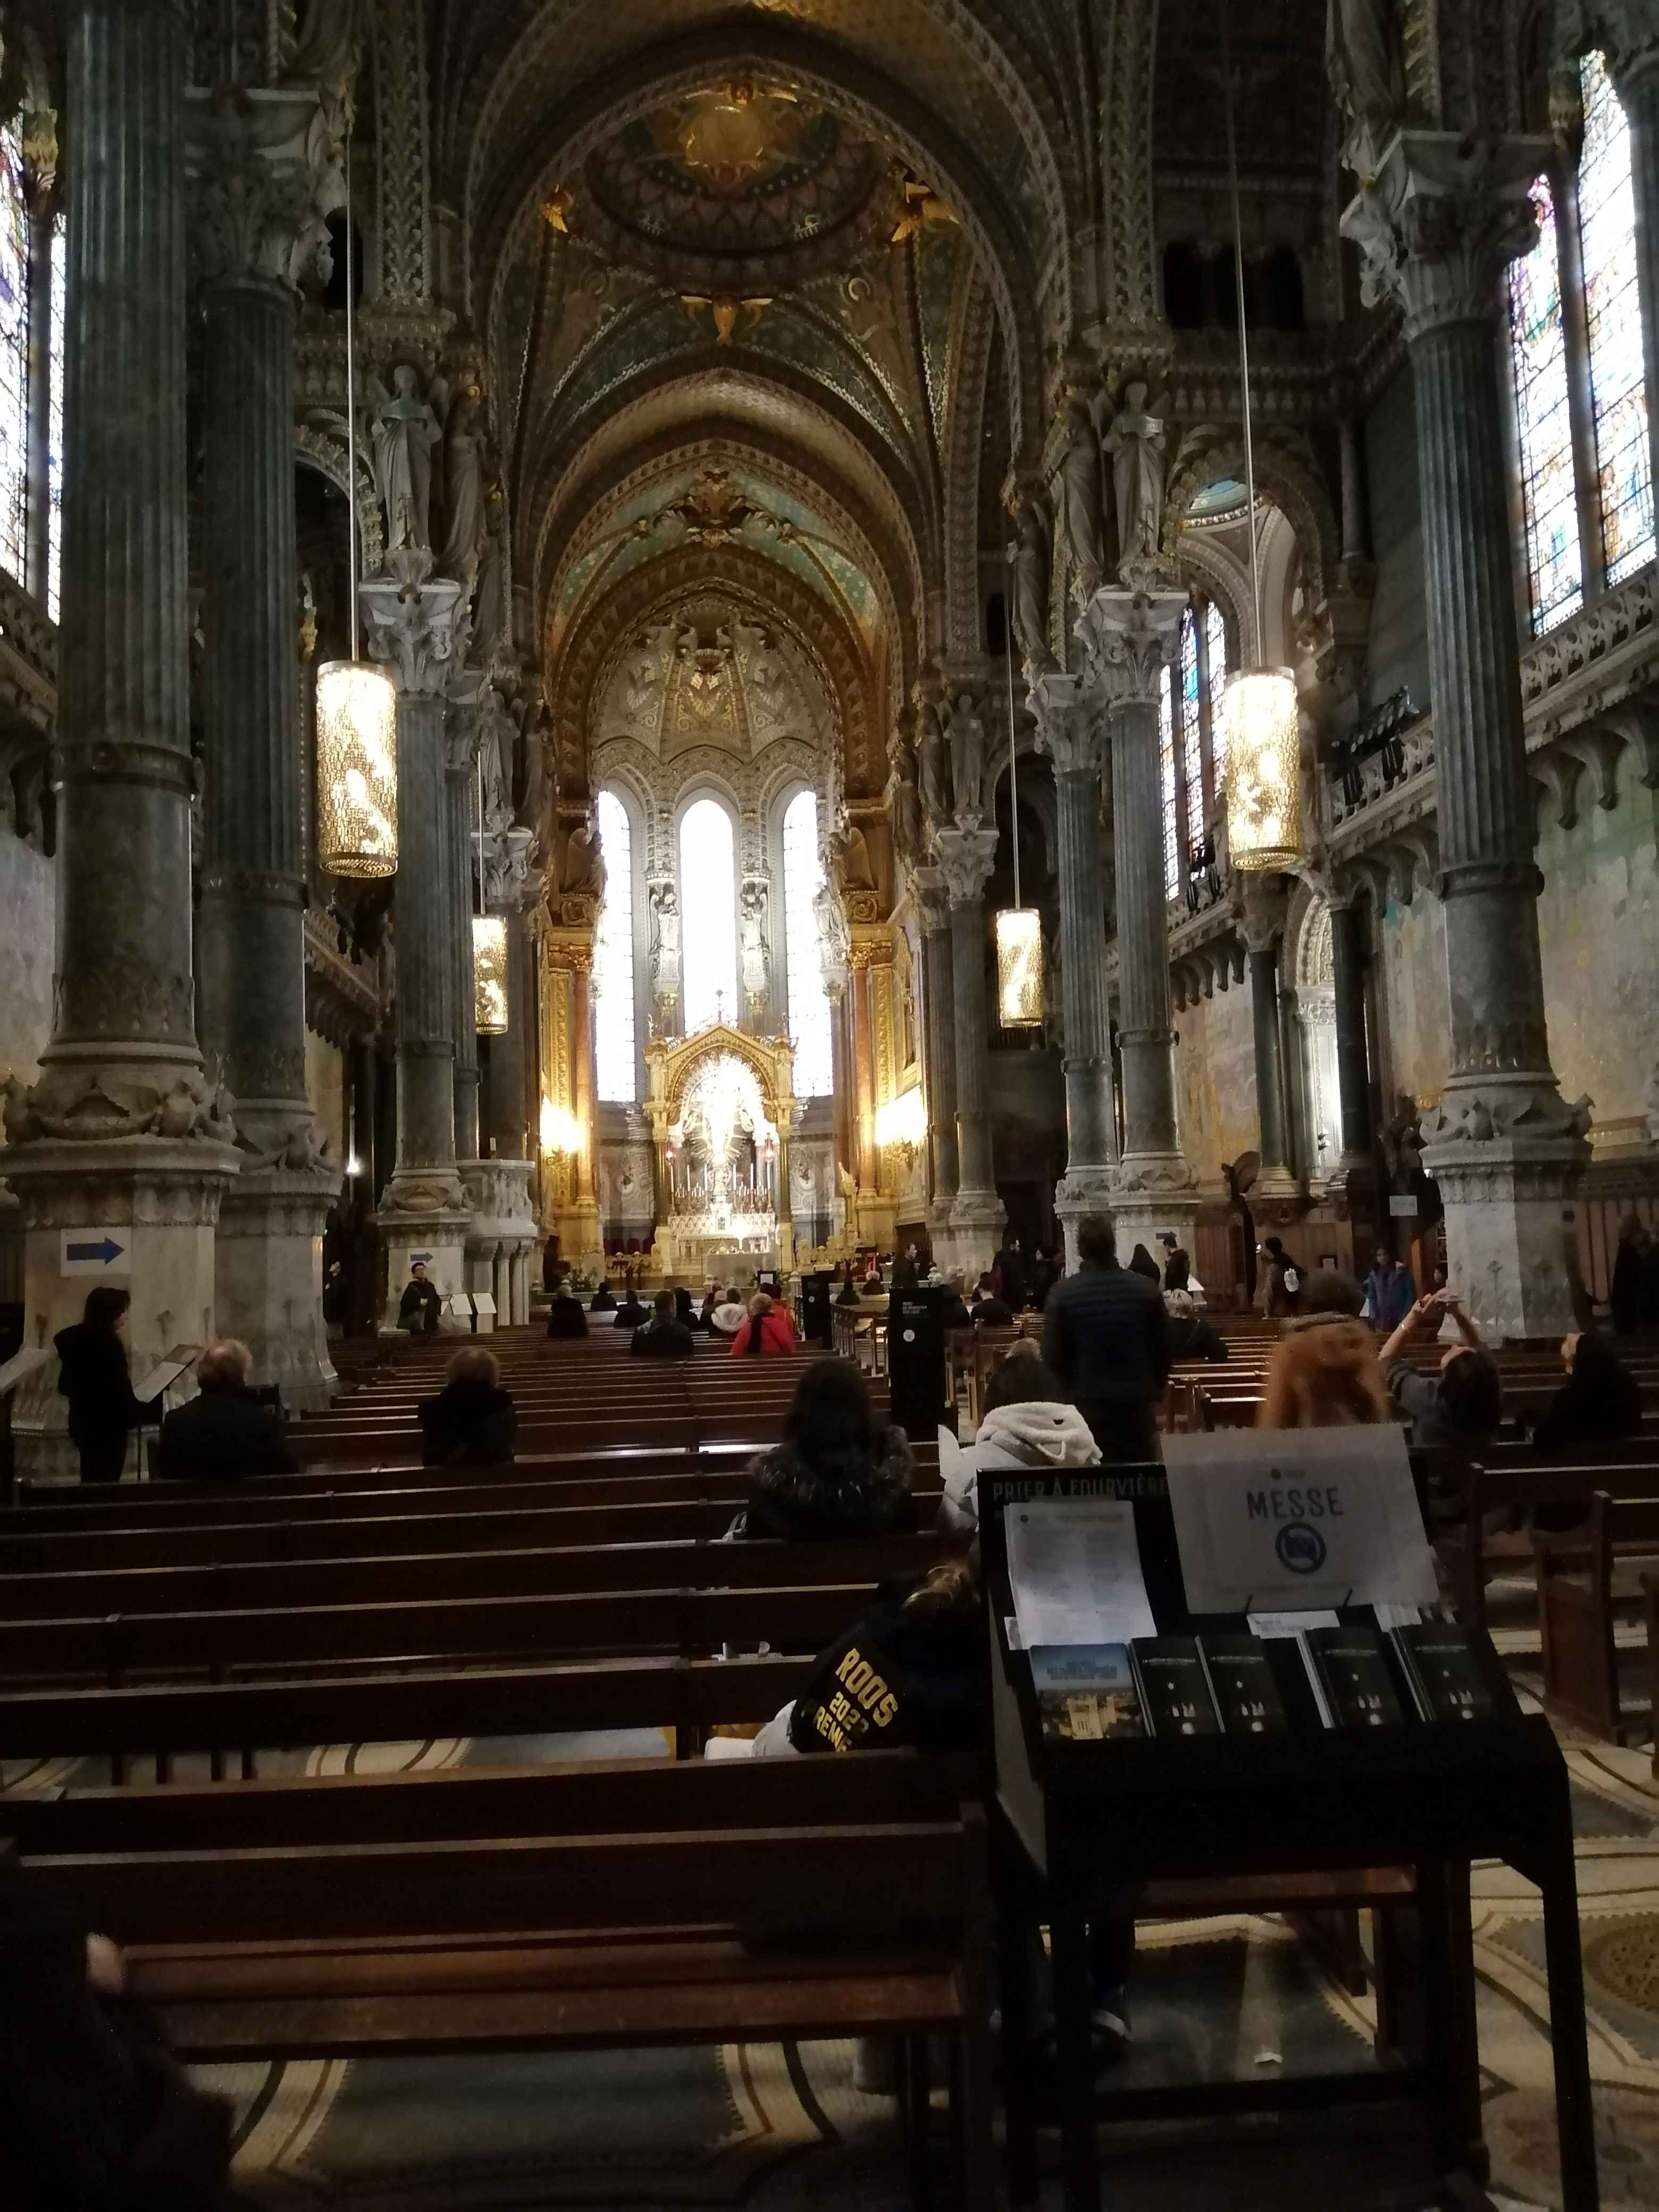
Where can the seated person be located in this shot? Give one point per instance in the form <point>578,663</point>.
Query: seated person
<point>1323,1373</point>
<point>848,1295</point>
<point>836,1474</point>
<point>603,1300</point>
<point>630,1313</point>
<point>766,1333</point>
<point>1459,1408</point>
<point>730,1313</point>
<point>420,1310</point>
<point>1600,1402</point>
<point>472,1421</point>
<point>667,1336</point>
<point>565,1317</point>
<point>1028,1425</point>
<point>225,1431</point>
<point>954,1313</point>
<point>987,1307</point>
<point>1190,1336</point>
<point>711,1298</point>
<point>683,1310</point>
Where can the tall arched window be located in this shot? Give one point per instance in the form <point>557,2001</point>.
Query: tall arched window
<point>613,960</point>
<point>809,1007</point>
<point>708,911</point>
<point>1166,766</point>
<point>13,352</point>
<point>1606,228</point>
<point>1215,647</point>
<point>55,413</point>
<point>1538,355</point>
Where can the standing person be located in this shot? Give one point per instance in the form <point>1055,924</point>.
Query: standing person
<point>1045,1274</point>
<point>668,1336</point>
<point>1458,1407</point>
<point>472,1421</point>
<point>1324,1373</point>
<point>1009,1278</point>
<point>1391,1292</point>
<point>420,1310</point>
<point>1282,1280</point>
<point>766,1333</point>
<point>225,1431</point>
<point>1142,1263</point>
<point>836,1474</point>
<point>94,1375</point>
<point>1105,1334</point>
<point>905,1273</point>
<point>1626,1298</point>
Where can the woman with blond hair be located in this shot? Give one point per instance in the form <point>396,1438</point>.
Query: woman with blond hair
<point>1324,1373</point>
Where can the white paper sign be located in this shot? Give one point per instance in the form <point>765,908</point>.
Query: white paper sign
<point>1295,1520</point>
<point>1075,1571</point>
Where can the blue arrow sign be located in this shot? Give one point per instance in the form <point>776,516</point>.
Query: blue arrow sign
<point>105,1250</point>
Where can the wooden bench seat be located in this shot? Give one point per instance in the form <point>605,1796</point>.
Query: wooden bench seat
<point>1581,1577</point>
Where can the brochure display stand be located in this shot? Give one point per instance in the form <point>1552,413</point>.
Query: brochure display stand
<point>1207,1752</point>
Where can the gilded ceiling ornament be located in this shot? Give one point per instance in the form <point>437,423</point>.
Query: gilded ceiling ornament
<point>555,211</point>
<point>918,206</point>
<point>733,136</point>
<point>724,308</point>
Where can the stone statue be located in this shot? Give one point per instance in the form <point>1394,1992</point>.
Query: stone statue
<point>464,483</point>
<point>848,854</point>
<point>584,863</point>
<point>404,432</point>
<point>20,1122</point>
<point>529,777</point>
<point>835,939</point>
<point>751,930</point>
<point>1364,58</point>
<point>1402,1143</point>
<point>966,734</point>
<point>1031,581</point>
<point>495,762</point>
<point>904,801</point>
<point>490,604</point>
<point>664,939</point>
<point>933,795</point>
<point>1135,442</point>
<point>1081,472</point>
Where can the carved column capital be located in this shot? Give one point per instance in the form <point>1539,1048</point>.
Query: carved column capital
<point>507,881</point>
<point>965,857</point>
<point>933,900</point>
<point>1261,924</point>
<point>414,630</point>
<point>265,174</point>
<point>1069,726</point>
<point>39,145</point>
<point>1440,220</point>
<point>1127,638</point>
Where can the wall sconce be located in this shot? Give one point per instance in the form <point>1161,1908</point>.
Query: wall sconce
<point>561,1133</point>
<point>901,1123</point>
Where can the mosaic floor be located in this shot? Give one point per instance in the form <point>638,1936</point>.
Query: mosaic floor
<point>783,2129</point>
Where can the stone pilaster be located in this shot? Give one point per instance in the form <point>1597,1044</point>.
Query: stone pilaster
<point>1436,228</point>
<point>414,628</point>
<point>460,810</point>
<point>258,201</point>
<point>122,1133</point>
<point>503,1237</point>
<point>1072,732</point>
<point>965,857</point>
<point>1351,1187</point>
<point>568,981</point>
<point>1263,932</point>
<point>1127,638</point>
<point>939,1046</point>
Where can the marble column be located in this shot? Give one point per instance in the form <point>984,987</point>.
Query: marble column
<point>1070,732</point>
<point>1263,939</point>
<point>1437,228</point>
<point>1127,638</point>
<point>1353,1074</point>
<point>414,628</point>
<point>256,207</point>
<point>938,1046</point>
<point>965,857</point>
<point>497,1183</point>
<point>461,811</point>
<point>863,1078</point>
<point>1627,32</point>
<point>122,1134</point>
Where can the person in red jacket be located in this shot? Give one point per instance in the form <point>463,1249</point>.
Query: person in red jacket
<point>766,1332</point>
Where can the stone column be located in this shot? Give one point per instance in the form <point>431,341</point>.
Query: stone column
<point>965,857</point>
<point>1353,1074</point>
<point>1263,930</point>
<point>1127,638</point>
<point>258,208</point>
<point>460,810</point>
<point>1071,733</point>
<point>864,1079</point>
<point>938,1046</point>
<point>581,1036</point>
<point>122,1134</point>
<point>1436,228</point>
<point>1627,32</point>
<point>570,1081</point>
<point>414,629</point>
<point>498,1184</point>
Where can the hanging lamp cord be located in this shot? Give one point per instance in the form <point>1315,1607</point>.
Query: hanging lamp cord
<point>1243,338</point>
<point>1013,753</point>
<point>351,405</point>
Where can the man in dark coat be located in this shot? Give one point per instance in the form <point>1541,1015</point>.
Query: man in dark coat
<point>667,1337</point>
<point>94,1375</point>
<point>1009,1276</point>
<point>225,1433</point>
<point>1105,1334</point>
<point>421,1308</point>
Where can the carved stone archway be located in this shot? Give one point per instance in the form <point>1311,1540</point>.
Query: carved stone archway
<point>672,1064</point>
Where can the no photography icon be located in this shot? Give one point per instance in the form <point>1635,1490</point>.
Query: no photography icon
<point>1300,1548</point>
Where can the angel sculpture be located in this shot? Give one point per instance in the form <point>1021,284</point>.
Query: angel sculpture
<point>464,487</point>
<point>403,432</point>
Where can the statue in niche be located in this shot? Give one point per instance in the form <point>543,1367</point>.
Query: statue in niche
<point>495,763</point>
<point>835,939</point>
<point>933,795</point>
<point>1031,568</point>
<point>1364,59</point>
<point>404,433</point>
<point>904,800</point>
<point>751,930</point>
<point>904,1008</point>
<point>583,874</point>
<point>489,605</point>
<point>848,853</point>
<point>665,941</point>
<point>1135,442</point>
<point>529,775</point>
<point>966,734</point>
<point>1080,474</point>
<point>464,487</point>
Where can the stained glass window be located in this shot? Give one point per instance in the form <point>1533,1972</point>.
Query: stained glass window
<point>55,413</point>
<point>1538,355</point>
<point>1215,643</point>
<point>1192,738</point>
<point>613,958</point>
<point>808,1008</point>
<point>708,915</point>
<point>1166,769</point>
<point>1607,226</point>
<point>13,352</point>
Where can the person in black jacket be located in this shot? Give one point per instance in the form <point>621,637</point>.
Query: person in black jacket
<point>1600,1402</point>
<point>565,1317</point>
<point>94,1375</point>
<point>1105,1333</point>
<point>630,1313</point>
<point>1191,1336</point>
<point>1008,1275</point>
<point>1625,1294</point>
<point>994,1312</point>
<point>834,1473</point>
<point>668,1336</point>
<point>421,1308</point>
<point>225,1431</point>
<point>472,1421</point>
<point>603,1300</point>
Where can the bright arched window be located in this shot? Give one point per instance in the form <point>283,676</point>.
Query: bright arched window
<point>55,413</point>
<point>1607,230</point>
<point>708,911</point>
<point>1215,641</point>
<point>1166,760</point>
<point>808,1006</point>
<point>1189,815</point>
<point>613,958</point>
<point>13,352</point>
<point>1538,355</point>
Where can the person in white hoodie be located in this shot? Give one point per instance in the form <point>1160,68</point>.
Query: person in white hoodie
<point>1027,1423</point>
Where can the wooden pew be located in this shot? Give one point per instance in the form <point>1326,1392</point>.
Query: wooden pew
<point>1516,1480</point>
<point>1577,1597</point>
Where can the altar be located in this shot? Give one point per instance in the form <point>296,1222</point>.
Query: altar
<point>719,1105</point>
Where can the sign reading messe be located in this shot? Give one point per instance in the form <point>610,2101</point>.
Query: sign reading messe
<point>1299,1520</point>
